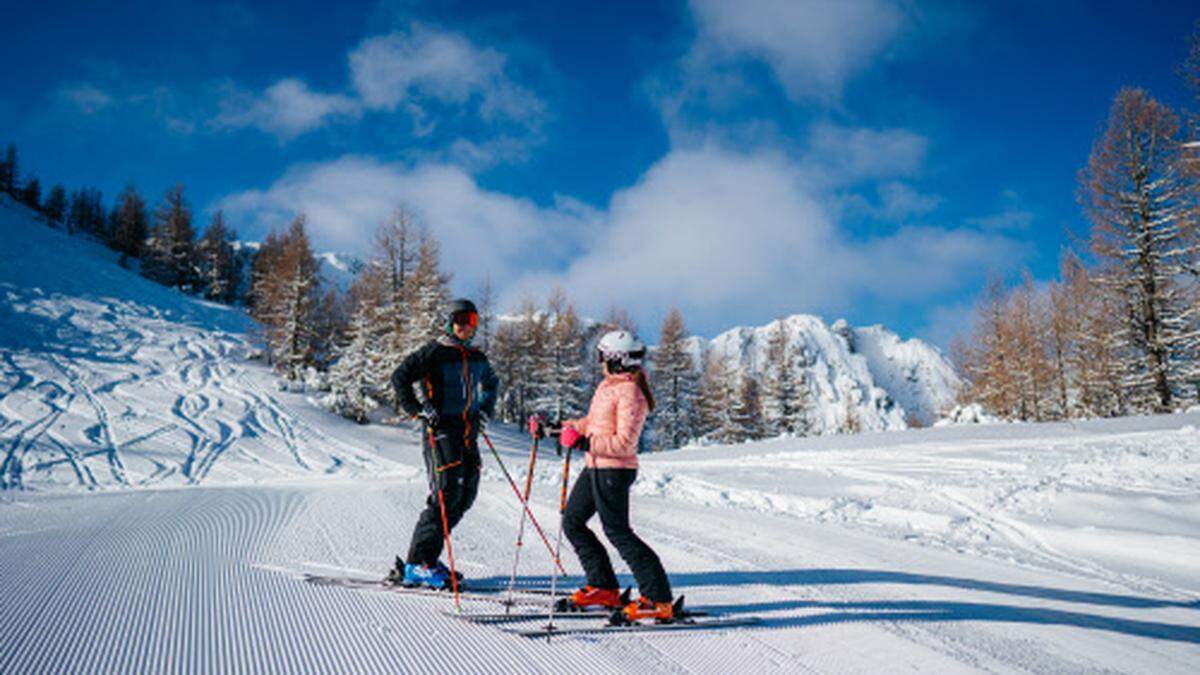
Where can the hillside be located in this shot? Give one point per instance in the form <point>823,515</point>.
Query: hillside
<point>108,379</point>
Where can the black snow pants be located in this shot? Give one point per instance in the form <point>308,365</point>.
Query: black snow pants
<point>452,463</point>
<point>606,491</point>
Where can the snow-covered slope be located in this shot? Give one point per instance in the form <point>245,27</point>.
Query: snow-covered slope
<point>1006,548</point>
<point>107,379</point>
<point>870,371</point>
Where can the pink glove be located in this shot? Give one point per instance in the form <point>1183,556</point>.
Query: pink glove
<point>537,426</point>
<point>569,437</point>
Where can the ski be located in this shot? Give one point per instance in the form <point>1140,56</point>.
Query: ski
<point>697,623</point>
<point>467,591</point>
<point>514,617</point>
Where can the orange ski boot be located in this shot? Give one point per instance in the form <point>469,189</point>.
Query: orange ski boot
<point>644,610</point>
<point>590,597</point>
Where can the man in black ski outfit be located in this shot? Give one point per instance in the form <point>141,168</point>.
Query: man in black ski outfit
<point>458,392</point>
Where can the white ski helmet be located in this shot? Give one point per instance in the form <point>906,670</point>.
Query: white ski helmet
<point>622,348</point>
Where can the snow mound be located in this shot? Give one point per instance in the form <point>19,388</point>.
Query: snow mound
<point>967,414</point>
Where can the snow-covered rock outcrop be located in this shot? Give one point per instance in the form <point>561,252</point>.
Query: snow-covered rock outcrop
<point>869,373</point>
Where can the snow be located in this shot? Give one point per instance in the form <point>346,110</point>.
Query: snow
<point>872,371</point>
<point>1066,547</point>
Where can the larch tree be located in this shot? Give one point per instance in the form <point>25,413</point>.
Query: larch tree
<point>674,385</point>
<point>715,398</point>
<point>1141,206</point>
<point>562,375</point>
<point>786,398</point>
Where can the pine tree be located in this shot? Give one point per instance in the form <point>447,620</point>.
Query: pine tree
<point>171,254</point>
<point>675,385</point>
<point>31,194</point>
<point>1143,235</point>
<point>220,268</point>
<point>56,205</point>
<point>130,227</point>
<point>8,171</point>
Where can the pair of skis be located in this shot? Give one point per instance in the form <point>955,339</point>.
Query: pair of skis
<point>522,605</point>
<point>685,620</point>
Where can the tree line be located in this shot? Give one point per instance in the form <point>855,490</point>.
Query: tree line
<point>162,243</point>
<point>1118,332</point>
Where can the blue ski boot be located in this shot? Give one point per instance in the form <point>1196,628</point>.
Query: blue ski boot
<point>425,575</point>
<point>441,567</point>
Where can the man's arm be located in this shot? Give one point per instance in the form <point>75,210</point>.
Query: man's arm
<point>491,390</point>
<point>412,369</point>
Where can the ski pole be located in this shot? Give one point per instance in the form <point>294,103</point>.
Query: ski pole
<point>445,524</point>
<point>512,578</point>
<point>524,502</point>
<point>562,509</point>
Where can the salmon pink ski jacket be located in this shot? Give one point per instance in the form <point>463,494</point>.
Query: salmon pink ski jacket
<point>614,423</point>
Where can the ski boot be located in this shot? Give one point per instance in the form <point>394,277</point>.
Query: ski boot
<point>589,597</point>
<point>425,576</point>
<point>644,609</point>
<point>441,567</point>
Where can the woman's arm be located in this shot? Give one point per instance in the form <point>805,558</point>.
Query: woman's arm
<point>631,416</point>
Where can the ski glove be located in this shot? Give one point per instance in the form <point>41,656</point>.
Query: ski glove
<point>429,416</point>
<point>571,438</point>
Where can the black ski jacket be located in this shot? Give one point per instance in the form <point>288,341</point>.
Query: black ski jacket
<point>455,379</point>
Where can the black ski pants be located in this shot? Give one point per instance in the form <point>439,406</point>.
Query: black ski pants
<point>452,464</point>
<point>606,491</point>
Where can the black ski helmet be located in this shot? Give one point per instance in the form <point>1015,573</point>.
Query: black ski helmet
<point>462,305</point>
<point>458,306</point>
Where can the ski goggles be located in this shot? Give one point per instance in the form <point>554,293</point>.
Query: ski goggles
<point>465,319</point>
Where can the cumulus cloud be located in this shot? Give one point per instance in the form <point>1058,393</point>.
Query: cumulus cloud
<point>734,235</point>
<point>286,109</point>
<point>424,62</point>
<point>406,70</point>
<point>813,48</point>
<point>483,233</point>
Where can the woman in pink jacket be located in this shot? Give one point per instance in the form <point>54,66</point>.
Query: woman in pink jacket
<point>609,436</point>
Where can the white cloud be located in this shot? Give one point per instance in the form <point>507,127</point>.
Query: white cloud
<point>387,69</point>
<point>483,233</point>
<point>405,70</point>
<point>849,154</point>
<point>813,48</point>
<point>1012,216</point>
<point>86,98</point>
<point>286,109</point>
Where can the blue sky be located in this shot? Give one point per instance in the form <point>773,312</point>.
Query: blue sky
<point>867,159</point>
